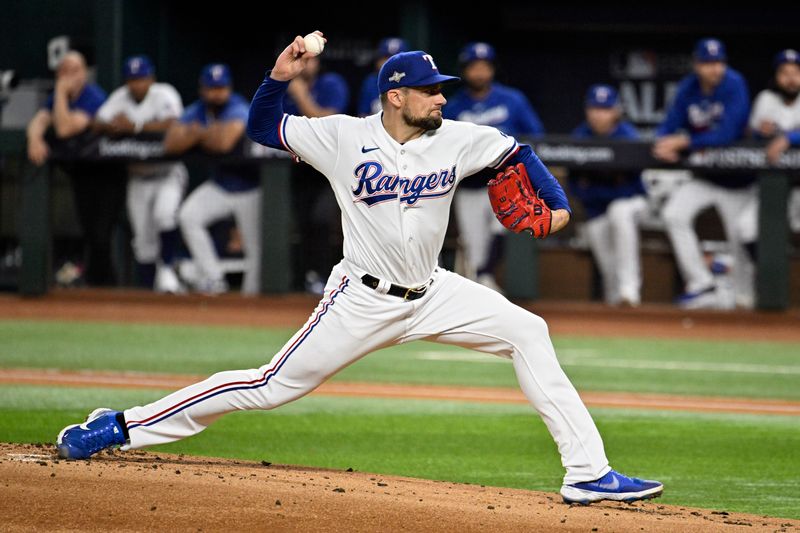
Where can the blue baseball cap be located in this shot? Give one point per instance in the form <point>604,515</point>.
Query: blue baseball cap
<point>601,95</point>
<point>216,75</point>
<point>710,50</point>
<point>475,51</point>
<point>787,56</point>
<point>410,69</point>
<point>138,67</point>
<point>391,46</point>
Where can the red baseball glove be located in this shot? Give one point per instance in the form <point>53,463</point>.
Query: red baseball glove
<point>516,205</point>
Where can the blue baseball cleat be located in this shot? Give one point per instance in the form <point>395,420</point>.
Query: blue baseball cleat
<point>612,486</point>
<point>707,298</point>
<point>103,429</point>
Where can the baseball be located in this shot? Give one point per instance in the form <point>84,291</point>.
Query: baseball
<point>314,44</point>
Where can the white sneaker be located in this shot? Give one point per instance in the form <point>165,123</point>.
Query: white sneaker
<point>629,297</point>
<point>167,281</point>
<point>628,302</point>
<point>745,301</point>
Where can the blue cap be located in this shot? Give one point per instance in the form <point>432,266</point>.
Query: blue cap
<point>410,69</point>
<point>391,46</point>
<point>138,67</point>
<point>216,75</point>
<point>601,95</point>
<point>710,50</point>
<point>787,56</point>
<point>475,51</point>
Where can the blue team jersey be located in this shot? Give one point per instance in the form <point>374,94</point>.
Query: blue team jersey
<point>369,100</point>
<point>329,90</point>
<point>231,177</point>
<point>624,130</point>
<point>89,101</point>
<point>237,108</point>
<point>504,108</point>
<point>597,189</point>
<point>716,119</point>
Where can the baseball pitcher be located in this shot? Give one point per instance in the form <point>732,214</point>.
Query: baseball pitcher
<point>393,174</point>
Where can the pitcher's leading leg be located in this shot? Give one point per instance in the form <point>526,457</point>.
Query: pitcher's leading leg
<point>475,317</point>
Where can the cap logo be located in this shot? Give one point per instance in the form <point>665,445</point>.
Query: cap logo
<point>602,94</point>
<point>791,55</point>
<point>713,47</point>
<point>397,76</point>
<point>135,65</point>
<point>216,72</point>
<point>481,50</point>
<point>426,57</point>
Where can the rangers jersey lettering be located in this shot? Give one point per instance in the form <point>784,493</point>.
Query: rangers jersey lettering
<point>395,198</point>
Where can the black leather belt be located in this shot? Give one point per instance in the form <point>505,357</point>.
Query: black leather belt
<point>406,293</point>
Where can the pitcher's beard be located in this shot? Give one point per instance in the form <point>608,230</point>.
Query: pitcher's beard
<point>424,123</point>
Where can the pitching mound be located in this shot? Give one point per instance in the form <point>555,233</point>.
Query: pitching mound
<point>147,491</point>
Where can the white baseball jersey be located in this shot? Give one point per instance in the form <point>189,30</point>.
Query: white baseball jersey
<point>162,102</point>
<point>395,198</point>
<point>770,106</point>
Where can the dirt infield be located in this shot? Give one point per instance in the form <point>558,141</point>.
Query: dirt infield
<point>140,380</point>
<point>138,491</point>
<point>564,318</point>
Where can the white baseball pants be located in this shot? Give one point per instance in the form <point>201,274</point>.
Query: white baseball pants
<point>477,226</point>
<point>209,203</point>
<point>679,214</point>
<point>153,204</point>
<point>614,241</point>
<point>353,320</point>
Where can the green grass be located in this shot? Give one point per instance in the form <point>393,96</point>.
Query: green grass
<point>676,366</point>
<point>733,462</point>
<point>739,463</point>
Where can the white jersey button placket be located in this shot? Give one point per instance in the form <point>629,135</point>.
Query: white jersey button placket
<point>402,167</point>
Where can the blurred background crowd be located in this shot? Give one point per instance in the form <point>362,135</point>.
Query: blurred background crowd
<point>186,76</point>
